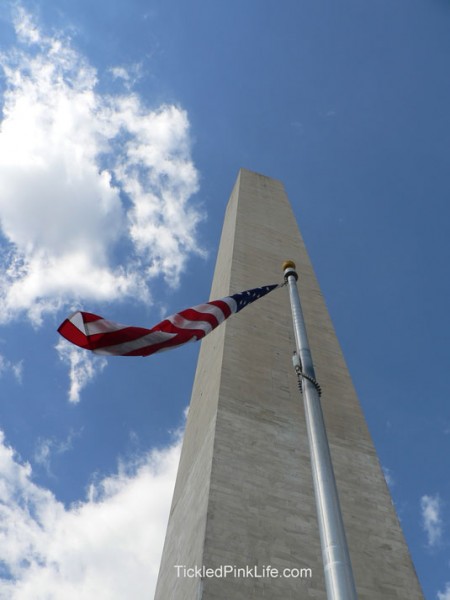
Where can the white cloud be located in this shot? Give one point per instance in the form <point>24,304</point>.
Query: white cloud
<point>15,368</point>
<point>107,547</point>
<point>42,453</point>
<point>128,75</point>
<point>445,595</point>
<point>83,367</point>
<point>25,27</point>
<point>431,507</point>
<point>81,175</point>
<point>388,477</point>
<point>46,448</point>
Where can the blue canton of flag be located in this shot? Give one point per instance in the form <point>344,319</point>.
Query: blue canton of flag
<point>249,296</point>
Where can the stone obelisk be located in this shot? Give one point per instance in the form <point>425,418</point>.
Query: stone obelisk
<point>244,494</point>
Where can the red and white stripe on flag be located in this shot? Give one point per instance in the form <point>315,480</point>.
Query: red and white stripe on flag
<point>114,339</point>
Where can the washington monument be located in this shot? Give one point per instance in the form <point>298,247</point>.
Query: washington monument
<point>243,522</point>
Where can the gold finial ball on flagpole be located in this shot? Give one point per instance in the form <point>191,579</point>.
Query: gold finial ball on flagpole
<point>288,264</point>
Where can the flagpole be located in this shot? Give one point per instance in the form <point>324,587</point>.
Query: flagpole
<point>339,579</point>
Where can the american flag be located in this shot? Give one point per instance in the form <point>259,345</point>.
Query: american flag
<point>114,339</point>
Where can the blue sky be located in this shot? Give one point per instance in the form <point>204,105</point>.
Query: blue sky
<point>124,125</point>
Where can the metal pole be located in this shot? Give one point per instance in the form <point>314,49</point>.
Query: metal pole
<point>339,580</point>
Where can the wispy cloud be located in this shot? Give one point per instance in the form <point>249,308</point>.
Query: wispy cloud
<point>388,477</point>
<point>83,367</point>
<point>129,75</point>
<point>107,546</point>
<point>431,507</point>
<point>16,369</point>
<point>445,595</point>
<point>83,174</point>
<point>47,448</point>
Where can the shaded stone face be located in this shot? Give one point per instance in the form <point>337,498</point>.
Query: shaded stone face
<point>243,520</point>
